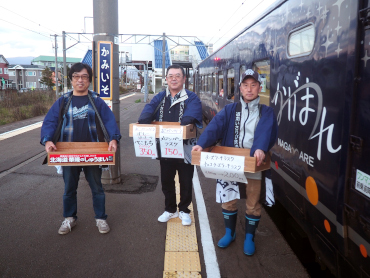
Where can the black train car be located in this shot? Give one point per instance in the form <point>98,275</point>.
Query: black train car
<point>313,56</point>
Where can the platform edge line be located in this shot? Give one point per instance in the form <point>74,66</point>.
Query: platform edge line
<point>209,252</point>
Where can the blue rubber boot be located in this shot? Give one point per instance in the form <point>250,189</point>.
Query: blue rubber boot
<point>251,224</point>
<point>230,223</point>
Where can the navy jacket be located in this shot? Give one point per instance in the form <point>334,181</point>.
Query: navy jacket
<point>223,124</point>
<point>50,123</point>
<point>192,111</point>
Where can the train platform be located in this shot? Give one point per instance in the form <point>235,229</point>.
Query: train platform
<point>137,245</point>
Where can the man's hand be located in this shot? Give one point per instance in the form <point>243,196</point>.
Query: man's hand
<point>112,146</point>
<point>50,147</point>
<point>260,155</point>
<point>197,148</point>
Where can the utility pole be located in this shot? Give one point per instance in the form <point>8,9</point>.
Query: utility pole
<point>64,63</point>
<point>163,60</point>
<point>106,29</point>
<point>56,66</point>
<point>126,74</point>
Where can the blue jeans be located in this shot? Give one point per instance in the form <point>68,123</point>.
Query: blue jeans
<point>71,175</point>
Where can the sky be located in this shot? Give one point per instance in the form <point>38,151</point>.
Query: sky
<point>26,26</point>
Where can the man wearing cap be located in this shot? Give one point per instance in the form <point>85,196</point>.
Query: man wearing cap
<point>245,124</point>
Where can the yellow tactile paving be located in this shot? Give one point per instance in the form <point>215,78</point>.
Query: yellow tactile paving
<point>181,274</point>
<point>181,253</point>
<point>181,261</point>
<point>180,238</point>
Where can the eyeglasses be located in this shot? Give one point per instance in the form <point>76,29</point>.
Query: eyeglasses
<point>84,77</point>
<point>177,76</point>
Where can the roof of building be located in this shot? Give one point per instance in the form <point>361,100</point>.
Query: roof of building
<point>88,58</point>
<point>27,66</point>
<point>2,57</point>
<point>52,59</point>
<point>201,49</point>
<point>158,55</point>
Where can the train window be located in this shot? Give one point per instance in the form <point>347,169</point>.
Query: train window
<point>214,84</point>
<point>230,84</point>
<point>301,41</point>
<point>263,68</point>
<point>220,84</point>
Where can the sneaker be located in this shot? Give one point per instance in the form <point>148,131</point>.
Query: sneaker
<point>185,217</point>
<point>167,216</point>
<point>102,226</point>
<point>67,225</point>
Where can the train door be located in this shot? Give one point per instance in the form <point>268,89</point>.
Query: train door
<point>212,89</point>
<point>221,89</point>
<point>236,82</point>
<point>215,94</point>
<point>230,85</point>
<point>196,83</point>
<point>357,199</point>
<point>263,68</point>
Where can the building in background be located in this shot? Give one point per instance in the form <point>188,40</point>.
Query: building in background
<point>49,61</point>
<point>25,76</point>
<point>4,76</point>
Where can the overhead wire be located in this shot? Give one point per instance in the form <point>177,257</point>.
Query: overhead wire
<point>28,19</point>
<point>240,20</point>
<point>45,35</point>
<point>25,28</point>
<point>226,21</point>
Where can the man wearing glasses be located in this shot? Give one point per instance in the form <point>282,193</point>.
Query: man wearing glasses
<point>175,104</point>
<point>80,124</point>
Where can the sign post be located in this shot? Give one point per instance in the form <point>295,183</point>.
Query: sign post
<point>106,68</point>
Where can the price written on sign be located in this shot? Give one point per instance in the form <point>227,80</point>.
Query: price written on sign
<point>223,166</point>
<point>171,142</point>
<point>144,141</point>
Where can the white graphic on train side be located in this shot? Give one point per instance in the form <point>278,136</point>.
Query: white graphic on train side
<point>307,93</point>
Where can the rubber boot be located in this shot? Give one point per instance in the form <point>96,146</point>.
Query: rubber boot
<point>230,223</point>
<point>251,224</point>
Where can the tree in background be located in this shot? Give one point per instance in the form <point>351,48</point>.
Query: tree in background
<point>47,78</point>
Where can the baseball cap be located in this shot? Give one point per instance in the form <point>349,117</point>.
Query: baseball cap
<point>251,73</point>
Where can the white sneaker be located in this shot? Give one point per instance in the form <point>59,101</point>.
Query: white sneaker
<point>102,225</point>
<point>67,225</point>
<point>167,216</point>
<point>185,217</point>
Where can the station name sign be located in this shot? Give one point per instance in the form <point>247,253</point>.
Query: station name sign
<point>105,69</point>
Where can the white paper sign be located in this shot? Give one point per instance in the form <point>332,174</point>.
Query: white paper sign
<point>223,166</point>
<point>144,141</point>
<point>363,183</point>
<point>171,142</point>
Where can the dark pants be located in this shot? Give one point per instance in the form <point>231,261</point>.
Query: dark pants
<point>71,175</point>
<point>168,172</point>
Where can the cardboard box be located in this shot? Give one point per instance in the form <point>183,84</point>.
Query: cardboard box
<point>189,131</point>
<point>250,164</point>
<point>81,154</point>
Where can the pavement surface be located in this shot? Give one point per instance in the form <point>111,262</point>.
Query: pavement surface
<point>31,213</point>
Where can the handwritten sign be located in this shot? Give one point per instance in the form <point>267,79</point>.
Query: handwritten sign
<point>144,141</point>
<point>223,166</point>
<point>105,69</point>
<point>171,142</point>
<point>362,183</point>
